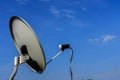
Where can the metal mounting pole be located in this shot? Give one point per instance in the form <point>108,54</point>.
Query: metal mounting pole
<point>17,61</point>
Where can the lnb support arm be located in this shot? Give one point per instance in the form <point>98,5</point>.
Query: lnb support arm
<point>61,49</point>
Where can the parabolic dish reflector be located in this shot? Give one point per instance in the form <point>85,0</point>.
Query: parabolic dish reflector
<point>27,43</point>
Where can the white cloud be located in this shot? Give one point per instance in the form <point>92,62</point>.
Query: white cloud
<point>63,13</point>
<point>55,11</point>
<point>107,38</point>
<point>68,13</point>
<point>70,16</point>
<point>83,9</point>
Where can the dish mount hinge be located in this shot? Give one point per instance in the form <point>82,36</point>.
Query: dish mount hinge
<point>20,59</point>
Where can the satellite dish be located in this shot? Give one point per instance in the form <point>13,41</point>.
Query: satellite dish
<point>29,48</point>
<point>27,44</point>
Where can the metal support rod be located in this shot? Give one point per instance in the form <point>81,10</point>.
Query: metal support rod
<point>54,57</point>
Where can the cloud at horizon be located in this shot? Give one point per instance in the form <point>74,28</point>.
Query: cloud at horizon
<point>105,38</point>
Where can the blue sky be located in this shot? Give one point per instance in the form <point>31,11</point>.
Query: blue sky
<point>90,26</point>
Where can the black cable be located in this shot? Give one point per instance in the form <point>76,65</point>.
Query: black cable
<point>67,46</point>
<point>14,72</point>
<point>62,48</point>
<point>70,65</point>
